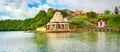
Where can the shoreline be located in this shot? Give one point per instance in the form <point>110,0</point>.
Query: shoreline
<point>83,30</point>
<point>97,29</point>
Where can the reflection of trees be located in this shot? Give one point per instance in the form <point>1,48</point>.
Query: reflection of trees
<point>90,37</point>
<point>113,38</point>
<point>85,36</point>
<point>41,40</point>
<point>65,41</point>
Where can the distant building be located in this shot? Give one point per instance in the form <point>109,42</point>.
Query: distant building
<point>78,12</point>
<point>101,23</point>
<point>81,12</point>
<point>98,13</point>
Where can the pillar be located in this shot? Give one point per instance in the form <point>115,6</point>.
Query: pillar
<point>64,26</point>
<point>55,26</point>
<point>61,26</point>
<point>47,27</point>
<point>68,26</point>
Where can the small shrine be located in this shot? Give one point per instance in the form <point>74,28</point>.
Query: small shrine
<point>101,23</point>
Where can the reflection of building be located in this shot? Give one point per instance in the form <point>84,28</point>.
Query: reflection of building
<point>101,42</point>
<point>60,42</point>
<point>102,23</point>
<point>58,23</point>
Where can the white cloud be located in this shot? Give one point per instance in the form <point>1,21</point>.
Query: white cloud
<point>51,2</point>
<point>97,5</point>
<point>18,9</point>
<point>5,17</point>
<point>44,7</point>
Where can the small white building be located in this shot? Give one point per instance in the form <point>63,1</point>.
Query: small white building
<point>101,23</point>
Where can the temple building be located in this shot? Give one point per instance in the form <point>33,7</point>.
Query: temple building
<point>58,23</point>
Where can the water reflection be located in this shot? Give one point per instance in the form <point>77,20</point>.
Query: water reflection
<point>15,41</point>
<point>17,45</point>
<point>113,41</point>
<point>66,42</point>
<point>79,42</point>
<point>101,42</point>
<point>42,42</point>
<point>16,34</point>
<point>60,42</point>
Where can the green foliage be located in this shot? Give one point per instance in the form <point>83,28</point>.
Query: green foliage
<point>114,22</point>
<point>107,12</point>
<point>76,23</point>
<point>50,14</point>
<point>41,14</point>
<point>50,10</point>
<point>64,12</point>
<point>107,17</point>
<point>11,25</point>
<point>84,17</point>
<point>91,14</point>
<point>116,18</point>
<point>41,19</point>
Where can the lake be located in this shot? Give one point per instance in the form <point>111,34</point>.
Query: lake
<point>21,41</point>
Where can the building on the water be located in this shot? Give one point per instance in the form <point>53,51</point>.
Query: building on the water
<point>58,23</point>
<point>101,23</point>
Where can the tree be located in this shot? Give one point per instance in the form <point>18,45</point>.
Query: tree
<point>114,22</point>
<point>50,14</point>
<point>64,12</point>
<point>50,10</point>
<point>116,10</point>
<point>116,19</point>
<point>107,12</point>
<point>39,20</point>
<point>91,14</point>
<point>42,13</point>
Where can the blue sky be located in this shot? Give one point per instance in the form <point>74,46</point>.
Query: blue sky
<point>22,9</point>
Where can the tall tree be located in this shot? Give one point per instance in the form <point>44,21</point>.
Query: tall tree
<point>116,10</point>
<point>107,12</point>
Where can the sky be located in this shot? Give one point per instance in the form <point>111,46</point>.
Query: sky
<point>22,9</point>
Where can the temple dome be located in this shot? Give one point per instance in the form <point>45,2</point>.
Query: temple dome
<point>57,17</point>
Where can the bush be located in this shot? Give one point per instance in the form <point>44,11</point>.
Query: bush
<point>76,23</point>
<point>114,22</point>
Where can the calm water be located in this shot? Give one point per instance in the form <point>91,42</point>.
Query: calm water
<point>20,41</point>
